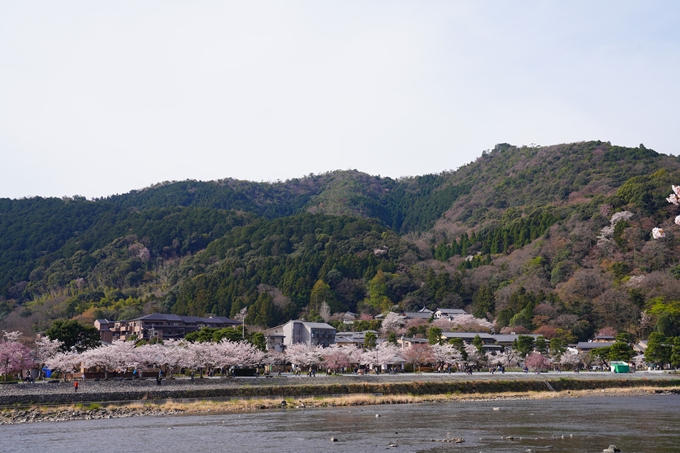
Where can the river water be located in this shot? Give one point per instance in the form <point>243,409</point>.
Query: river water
<point>634,424</point>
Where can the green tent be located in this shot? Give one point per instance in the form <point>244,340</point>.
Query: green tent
<point>620,367</point>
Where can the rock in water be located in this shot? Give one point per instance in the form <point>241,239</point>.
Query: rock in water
<point>611,449</point>
<point>334,439</point>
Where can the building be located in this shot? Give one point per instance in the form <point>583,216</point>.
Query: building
<point>275,337</point>
<point>314,333</point>
<point>492,342</point>
<point>506,339</point>
<point>423,313</point>
<point>158,325</point>
<point>104,327</point>
<point>468,337</point>
<point>406,342</point>
<point>587,346</point>
<point>352,338</point>
<point>448,313</point>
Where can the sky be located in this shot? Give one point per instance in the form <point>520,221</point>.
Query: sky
<point>99,98</point>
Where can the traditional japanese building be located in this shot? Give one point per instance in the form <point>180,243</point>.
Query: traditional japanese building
<point>158,325</point>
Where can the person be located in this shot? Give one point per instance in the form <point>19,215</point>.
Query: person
<point>75,386</point>
<point>134,373</point>
<point>83,377</point>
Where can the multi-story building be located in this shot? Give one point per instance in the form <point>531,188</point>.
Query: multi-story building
<point>314,333</point>
<point>158,325</point>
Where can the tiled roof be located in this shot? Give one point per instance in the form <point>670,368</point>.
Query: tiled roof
<point>510,337</point>
<point>451,311</point>
<point>593,344</point>
<point>186,319</point>
<point>418,314</point>
<point>468,335</point>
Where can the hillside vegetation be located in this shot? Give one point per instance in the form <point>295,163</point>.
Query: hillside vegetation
<point>550,239</point>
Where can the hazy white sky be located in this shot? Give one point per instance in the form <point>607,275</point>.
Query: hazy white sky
<point>101,97</point>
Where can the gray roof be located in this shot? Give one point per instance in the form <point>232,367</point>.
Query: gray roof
<point>317,325</point>
<point>510,337</point>
<point>159,317</point>
<point>593,344</point>
<point>416,340</point>
<point>418,315</point>
<point>470,335</point>
<point>186,319</point>
<point>451,311</point>
<point>342,337</point>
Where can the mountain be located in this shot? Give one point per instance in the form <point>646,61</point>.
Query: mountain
<point>552,239</point>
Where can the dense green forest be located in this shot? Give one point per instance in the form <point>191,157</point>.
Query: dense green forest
<point>549,239</point>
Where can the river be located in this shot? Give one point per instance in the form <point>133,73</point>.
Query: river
<point>634,424</point>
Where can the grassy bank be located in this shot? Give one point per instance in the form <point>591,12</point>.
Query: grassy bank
<point>337,389</point>
<point>150,408</point>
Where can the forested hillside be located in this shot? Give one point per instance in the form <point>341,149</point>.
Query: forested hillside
<point>551,239</point>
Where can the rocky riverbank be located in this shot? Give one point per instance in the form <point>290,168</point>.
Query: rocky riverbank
<point>10,417</point>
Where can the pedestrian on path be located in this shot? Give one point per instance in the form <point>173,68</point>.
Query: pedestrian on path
<point>75,386</point>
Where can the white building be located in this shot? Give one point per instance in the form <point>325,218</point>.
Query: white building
<point>448,313</point>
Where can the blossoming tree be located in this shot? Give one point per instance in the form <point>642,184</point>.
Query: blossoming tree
<point>304,355</point>
<point>674,199</point>
<point>383,354</point>
<point>418,354</point>
<point>537,362</point>
<point>469,323</point>
<point>14,356</point>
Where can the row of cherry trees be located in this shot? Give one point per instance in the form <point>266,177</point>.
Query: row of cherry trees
<point>121,356</point>
<point>176,355</point>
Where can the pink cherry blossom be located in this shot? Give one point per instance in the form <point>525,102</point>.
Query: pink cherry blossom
<point>383,354</point>
<point>537,361</point>
<point>446,354</point>
<point>336,357</point>
<point>418,354</point>
<point>14,356</point>
<point>46,348</point>
<point>658,233</point>
<point>469,323</point>
<point>304,355</point>
<point>66,362</point>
